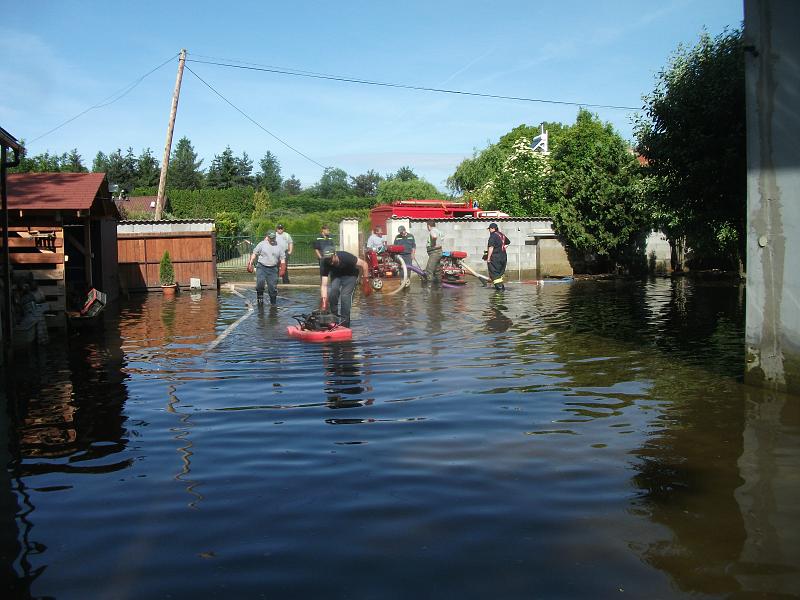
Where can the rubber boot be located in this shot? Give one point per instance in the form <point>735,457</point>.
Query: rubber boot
<point>260,298</point>
<point>273,299</point>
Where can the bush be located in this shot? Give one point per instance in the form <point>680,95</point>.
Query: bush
<point>308,224</point>
<point>396,189</point>
<point>206,202</point>
<point>166,272</point>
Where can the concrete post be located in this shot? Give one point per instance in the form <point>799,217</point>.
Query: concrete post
<point>772,70</point>
<point>348,236</point>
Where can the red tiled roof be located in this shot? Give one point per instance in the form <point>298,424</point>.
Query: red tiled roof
<point>137,204</point>
<point>53,191</point>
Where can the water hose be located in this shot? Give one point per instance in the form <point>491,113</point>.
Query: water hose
<point>235,324</point>
<point>478,275</point>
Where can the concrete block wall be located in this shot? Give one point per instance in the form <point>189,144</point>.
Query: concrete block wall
<point>552,260</point>
<point>472,235</point>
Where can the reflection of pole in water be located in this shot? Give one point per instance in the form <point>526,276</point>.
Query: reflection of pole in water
<point>344,376</point>
<point>184,451</point>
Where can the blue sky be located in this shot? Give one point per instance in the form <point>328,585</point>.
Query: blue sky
<point>61,57</point>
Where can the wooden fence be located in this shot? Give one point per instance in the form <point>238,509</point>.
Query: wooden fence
<point>191,246</point>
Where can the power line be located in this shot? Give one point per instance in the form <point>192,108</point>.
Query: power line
<point>313,75</point>
<point>251,119</point>
<point>118,95</point>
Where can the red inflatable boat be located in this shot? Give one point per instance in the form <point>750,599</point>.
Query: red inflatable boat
<point>337,334</point>
<point>319,326</point>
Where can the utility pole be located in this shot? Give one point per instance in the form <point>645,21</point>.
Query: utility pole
<point>162,181</point>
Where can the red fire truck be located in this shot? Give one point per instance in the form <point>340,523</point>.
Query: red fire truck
<point>428,209</point>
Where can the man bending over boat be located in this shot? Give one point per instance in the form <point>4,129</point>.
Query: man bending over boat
<point>340,271</point>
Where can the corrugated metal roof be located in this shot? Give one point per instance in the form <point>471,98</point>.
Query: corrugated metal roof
<point>53,191</point>
<point>151,222</point>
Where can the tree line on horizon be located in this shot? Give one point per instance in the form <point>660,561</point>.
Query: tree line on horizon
<point>685,174</point>
<point>131,172</point>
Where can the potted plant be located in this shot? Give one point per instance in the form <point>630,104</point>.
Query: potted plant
<point>166,273</point>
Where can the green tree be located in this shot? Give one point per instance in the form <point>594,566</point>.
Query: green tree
<point>333,184</point>
<point>403,174</point>
<point>520,188</point>
<point>397,189</point>
<point>40,163</point>
<point>100,163</point>
<point>121,169</point>
<point>73,162</point>
<point>292,186</point>
<point>184,169</point>
<point>166,272</point>
<point>244,171</point>
<point>595,189</point>
<point>269,177</point>
<point>486,165</point>
<point>148,171</point>
<point>261,204</point>
<point>693,137</point>
<point>223,171</point>
<point>366,185</point>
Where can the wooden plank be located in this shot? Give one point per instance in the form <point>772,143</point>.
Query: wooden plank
<point>37,258</point>
<point>56,304</point>
<point>56,319</point>
<point>42,274</point>
<point>31,229</point>
<point>30,242</point>
<point>49,289</point>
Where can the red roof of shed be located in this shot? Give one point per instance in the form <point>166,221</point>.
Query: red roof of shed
<point>54,191</point>
<point>136,204</point>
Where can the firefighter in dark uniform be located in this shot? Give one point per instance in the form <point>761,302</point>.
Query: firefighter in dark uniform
<point>407,241</point>
<point>323,242</point>
<point>496,256</point>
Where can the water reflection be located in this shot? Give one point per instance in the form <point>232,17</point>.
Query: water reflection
<point>345,380</point>
<point>70,417</point>
<point>715,479</point>
<point>647,465</point>
<point>495,314</point>
<point>185,448</point>
<point>63,416</point>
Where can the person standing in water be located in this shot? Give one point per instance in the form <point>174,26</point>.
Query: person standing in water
<point>269,259</point>
<point>407,241</point>
<point>323,242</point>
<point>496,257</point>
<point>286,242</point>
<point>434,252</point>
<point>340,271</point>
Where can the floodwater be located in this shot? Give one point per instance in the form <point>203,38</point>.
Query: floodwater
<point>585,440</point>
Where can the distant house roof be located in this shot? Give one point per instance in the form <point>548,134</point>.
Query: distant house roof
<point>136,204</point>
<point>59,191</point>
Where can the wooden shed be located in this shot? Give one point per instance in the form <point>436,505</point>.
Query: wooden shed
<point>63,231</point>
<point>191,245</point>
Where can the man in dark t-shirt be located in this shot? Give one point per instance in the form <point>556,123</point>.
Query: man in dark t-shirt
<point>323,242</point>
<point>340,271</point>
<point>496,256</point>
<point>407,241</point>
